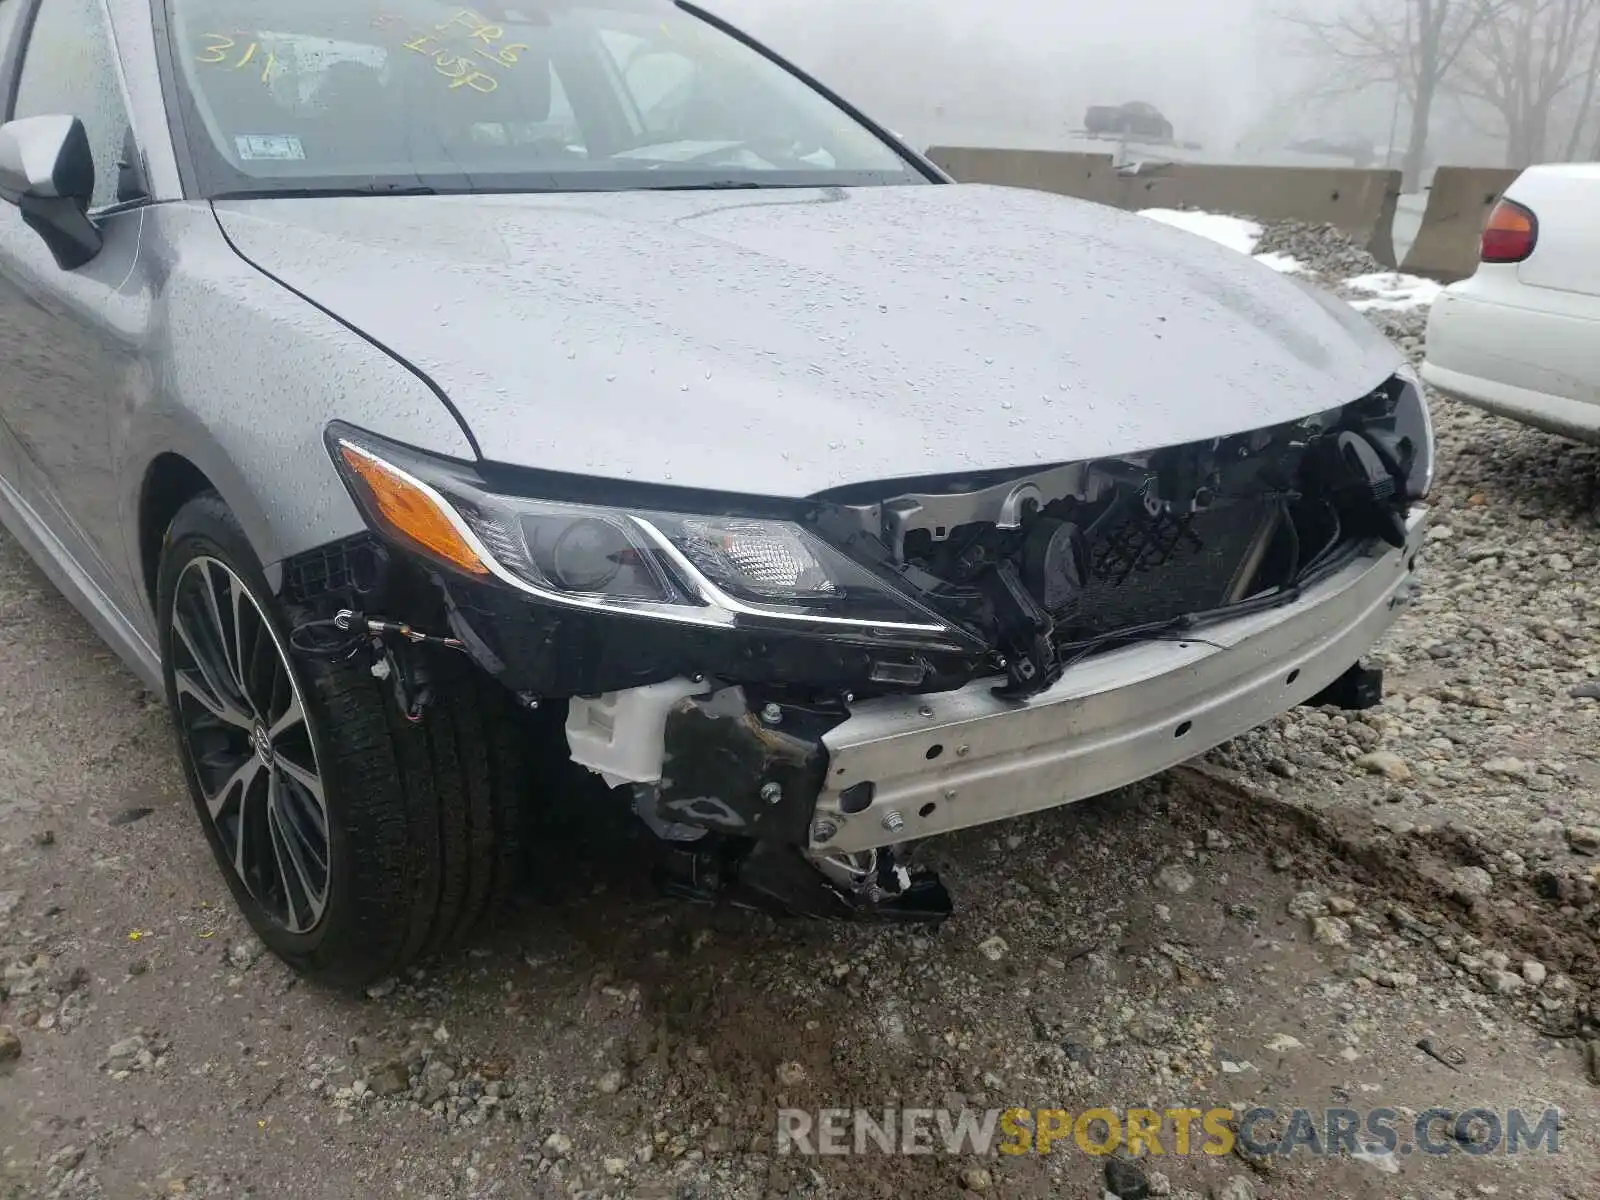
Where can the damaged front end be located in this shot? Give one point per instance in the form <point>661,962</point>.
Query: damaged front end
<point>760,678</point>
<point>1049,567</point>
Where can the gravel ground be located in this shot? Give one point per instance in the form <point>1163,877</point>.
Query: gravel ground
<point>1281,922</point>
<point>1326,252</point>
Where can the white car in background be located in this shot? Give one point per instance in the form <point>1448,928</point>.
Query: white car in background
<point>1521,338</point>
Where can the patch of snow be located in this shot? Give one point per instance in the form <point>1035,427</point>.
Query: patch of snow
<point>1233,232</point>
<point>1287,264</point>
<point>1393,291</point>
<point>1384,291</point>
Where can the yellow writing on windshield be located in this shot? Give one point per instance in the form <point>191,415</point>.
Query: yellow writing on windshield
<point>458,68</point>
<point>479,30</point>
<point>219,49</point>
<point>460,47</point>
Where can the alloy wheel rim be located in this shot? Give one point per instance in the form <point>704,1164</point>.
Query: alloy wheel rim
<point>244,724</point>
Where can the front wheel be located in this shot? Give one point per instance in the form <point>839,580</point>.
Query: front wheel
<point>353,840</point>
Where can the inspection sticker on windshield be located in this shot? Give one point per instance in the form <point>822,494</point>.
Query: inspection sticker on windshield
<point>281,147</point>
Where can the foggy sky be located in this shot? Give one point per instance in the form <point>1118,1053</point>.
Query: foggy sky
<point>1021,72</point>
<point>1030,62</point>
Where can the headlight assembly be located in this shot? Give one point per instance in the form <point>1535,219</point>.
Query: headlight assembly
<point>708,569</point>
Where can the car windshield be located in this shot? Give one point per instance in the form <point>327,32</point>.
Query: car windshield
<point>332,95</point>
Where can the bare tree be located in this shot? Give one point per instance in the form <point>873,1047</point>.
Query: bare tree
<point>1524,62</point>
<point>1412,45</point>
<point>1586,105</point>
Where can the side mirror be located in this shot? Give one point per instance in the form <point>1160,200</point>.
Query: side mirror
<point>46,168</point>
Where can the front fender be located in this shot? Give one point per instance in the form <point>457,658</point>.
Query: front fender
<point>241,378</point>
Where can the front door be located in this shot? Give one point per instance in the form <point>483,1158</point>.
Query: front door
<point>69,339</point>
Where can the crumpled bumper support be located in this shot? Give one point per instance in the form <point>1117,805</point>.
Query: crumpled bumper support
<point>901,768</point>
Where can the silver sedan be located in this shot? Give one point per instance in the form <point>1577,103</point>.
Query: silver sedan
<point>426,400</point>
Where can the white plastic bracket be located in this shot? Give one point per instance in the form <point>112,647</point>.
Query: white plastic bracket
<point>621,736</point>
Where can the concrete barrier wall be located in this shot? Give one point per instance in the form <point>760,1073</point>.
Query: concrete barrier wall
<point>1086,176</point>
<point>1459,201</point>
<point>1360,202</point>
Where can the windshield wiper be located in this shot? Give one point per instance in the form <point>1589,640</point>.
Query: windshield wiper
<point>710,185</point>
<point>304,193</point>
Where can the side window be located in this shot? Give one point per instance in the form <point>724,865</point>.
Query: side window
<point>67,68</point>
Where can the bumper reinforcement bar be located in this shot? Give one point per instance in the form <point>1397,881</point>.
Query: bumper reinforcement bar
<point>901,768</point>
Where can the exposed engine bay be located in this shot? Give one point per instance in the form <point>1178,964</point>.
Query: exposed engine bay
<point>1049,567</point>
<point>718,738</point>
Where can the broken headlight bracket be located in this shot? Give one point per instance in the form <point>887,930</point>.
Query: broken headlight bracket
<point>1025,628</point>
<point>1363,480</point>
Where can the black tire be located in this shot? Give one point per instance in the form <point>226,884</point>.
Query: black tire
<point>423,822</point>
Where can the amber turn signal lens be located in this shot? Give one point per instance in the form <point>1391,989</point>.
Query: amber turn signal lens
<point>1509,234</point>
<point>408,509</point>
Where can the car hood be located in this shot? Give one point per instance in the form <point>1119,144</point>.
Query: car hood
<point>783,342</point>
